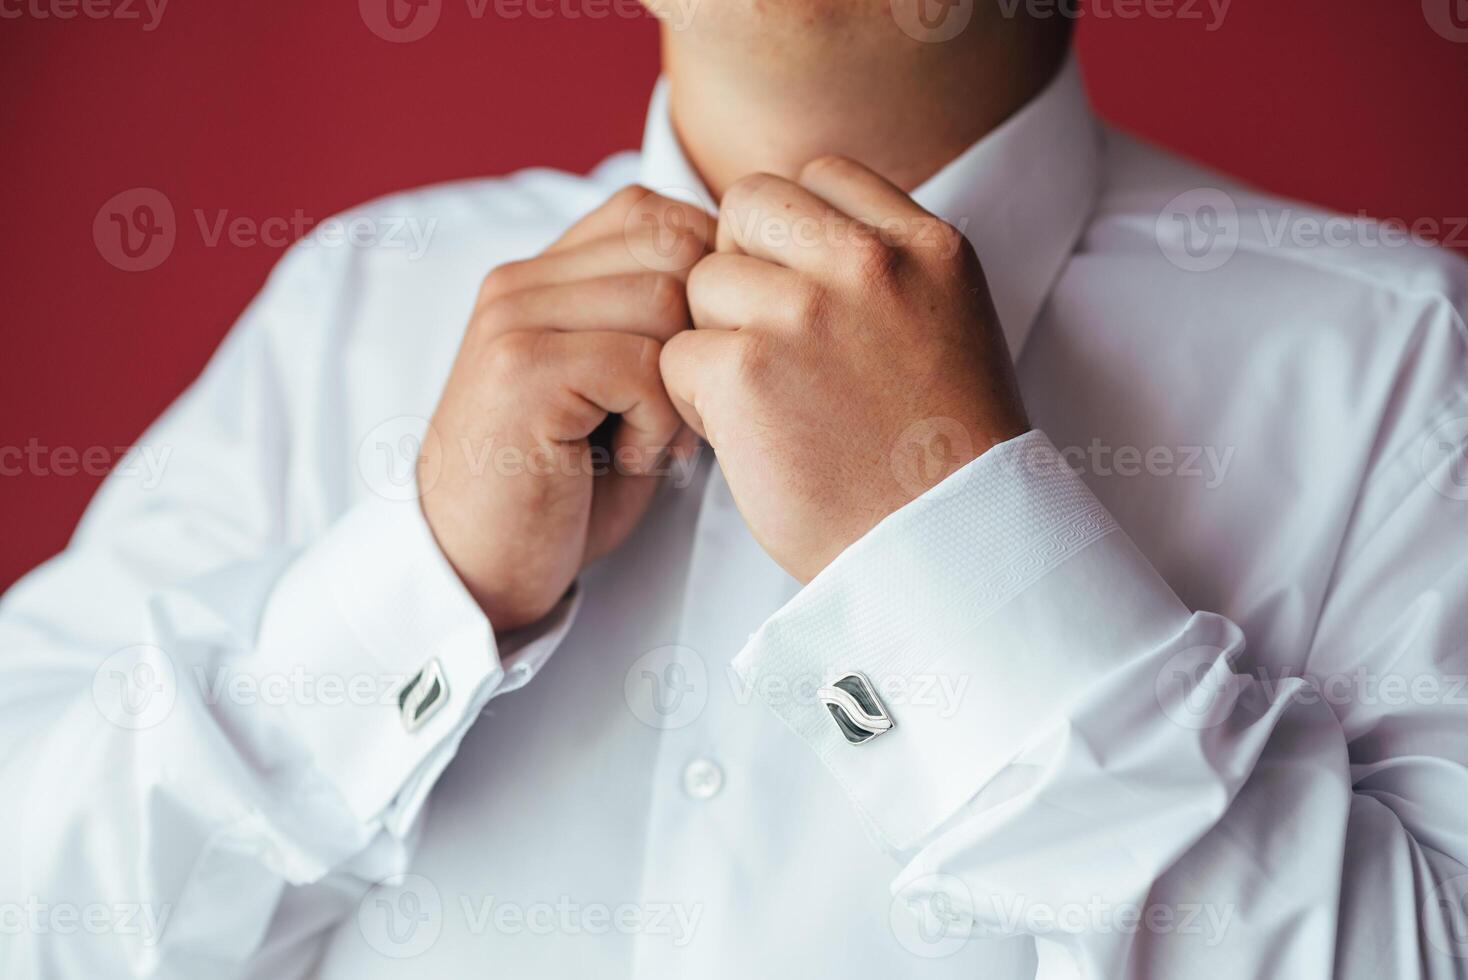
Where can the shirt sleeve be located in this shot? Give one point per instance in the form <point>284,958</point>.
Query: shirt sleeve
<point>1077,757</point>
<point>205,692</point>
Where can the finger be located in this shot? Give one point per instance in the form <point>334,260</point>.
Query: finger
<point>859,191</point>
<point>606,256</point>
<point>692,364</point>
<point>604,373</point>
<point>636,209</point>
<point>651,304</point>
<point>776,219</point>
<point>728,290</point>
<point>620,499</point>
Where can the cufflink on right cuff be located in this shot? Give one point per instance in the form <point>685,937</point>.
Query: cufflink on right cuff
<point>853,703</point>
<point>423,695</point>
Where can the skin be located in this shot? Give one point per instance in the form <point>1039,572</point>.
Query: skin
<point>823,333</point>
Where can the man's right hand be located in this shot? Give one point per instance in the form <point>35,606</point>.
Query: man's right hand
<point>555,345</point>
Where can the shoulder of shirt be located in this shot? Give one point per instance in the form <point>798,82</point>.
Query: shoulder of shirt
<point>1278,238</point>
<point>436,228</point>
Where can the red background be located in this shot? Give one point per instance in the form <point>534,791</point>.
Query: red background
<point>263,109</point>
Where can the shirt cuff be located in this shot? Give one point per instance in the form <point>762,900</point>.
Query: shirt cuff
<point>979,612</point>
<point>360,614</point>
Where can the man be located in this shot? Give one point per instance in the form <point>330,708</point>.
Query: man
<point>1067,590</point>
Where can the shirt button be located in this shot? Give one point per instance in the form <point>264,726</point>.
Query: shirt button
<point>702,779</point>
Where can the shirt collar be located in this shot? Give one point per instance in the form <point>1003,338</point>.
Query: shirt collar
<point>1022,193</point>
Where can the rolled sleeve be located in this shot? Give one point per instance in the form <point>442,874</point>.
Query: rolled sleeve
<point>979,612</point>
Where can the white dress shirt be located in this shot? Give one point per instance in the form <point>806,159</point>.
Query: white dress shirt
<point>1176,679</point>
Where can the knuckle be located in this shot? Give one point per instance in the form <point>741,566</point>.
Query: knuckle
<point>499,282</point>
<point>497,316</point>
<point>624,199</point>
<point>702,276</point>
<point>646,356</point>
<point>808,304</point>
<point>826,163</point>
<point>667,302</point>
<point>742,192</point>
<point>872,260</point>
<point>943,242</point>
<point>512,355</point>
<point>752,362</point>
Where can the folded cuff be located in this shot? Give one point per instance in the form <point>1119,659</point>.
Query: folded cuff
<point>978,612</point>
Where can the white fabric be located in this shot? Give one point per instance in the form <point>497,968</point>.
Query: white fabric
<point>1091,773</point>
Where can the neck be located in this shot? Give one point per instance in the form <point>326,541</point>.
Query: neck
<point>743,102</point>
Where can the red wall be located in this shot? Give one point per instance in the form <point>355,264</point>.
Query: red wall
<point>262,110</point>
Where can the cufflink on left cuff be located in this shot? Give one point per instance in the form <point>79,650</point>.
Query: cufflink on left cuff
<point>853,703</point>
<point>423,695</point>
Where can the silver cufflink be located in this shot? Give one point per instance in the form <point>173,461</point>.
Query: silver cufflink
<point>859,713</point>
<point>422,696</point>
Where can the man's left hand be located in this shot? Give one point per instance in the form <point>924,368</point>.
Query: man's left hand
<point>846,357</point>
